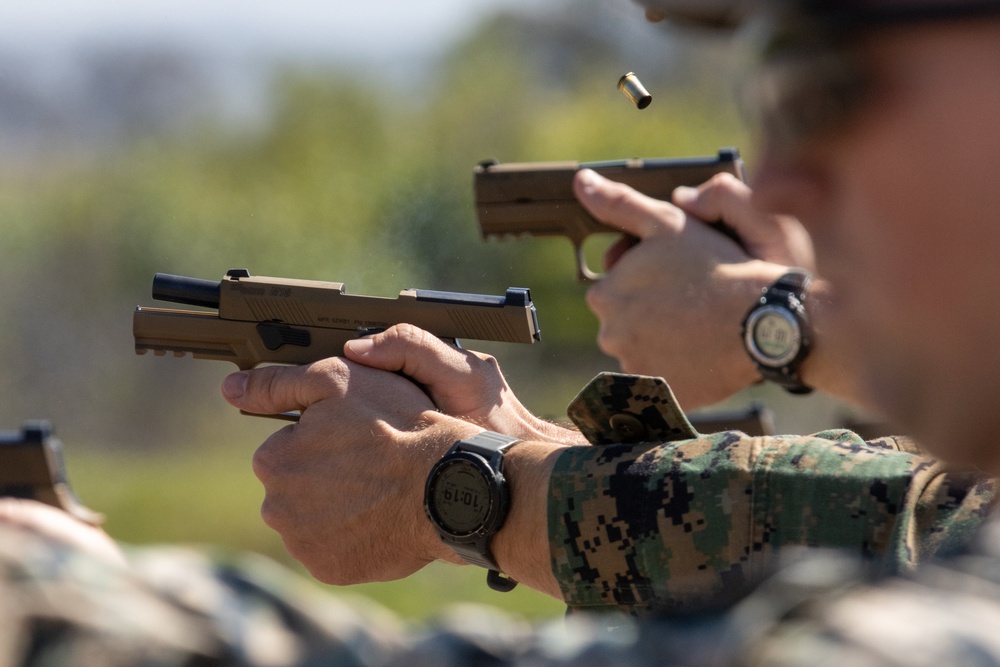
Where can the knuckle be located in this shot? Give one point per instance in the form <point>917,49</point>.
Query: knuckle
<point>722,180</point>
<point>728,185</point>
<point>668,217</point>
<point>406,338</point>
<point>270,515</point>
<point>262,464</point>
<point>269,459</point>
<point>490,363</point>
<point>407,332</point>
<point>322,377</point>
<point>404,335</point>
<point>329,367</point>
<point>618,196</point>
<point>483,361</point>
<point>596,299</point>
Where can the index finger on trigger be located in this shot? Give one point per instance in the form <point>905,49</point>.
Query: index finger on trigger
<point>620,206</point>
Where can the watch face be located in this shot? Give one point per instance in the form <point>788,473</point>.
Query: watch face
<point>773,336</point>
<point>459,497</point>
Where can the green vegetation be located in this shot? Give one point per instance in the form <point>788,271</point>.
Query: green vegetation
<point>213,499</point>
<point>346,182</point>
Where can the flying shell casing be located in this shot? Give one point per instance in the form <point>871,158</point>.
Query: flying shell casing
<point>633,89</point>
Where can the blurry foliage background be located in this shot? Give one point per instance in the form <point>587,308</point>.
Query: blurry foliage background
<point>338,174</point>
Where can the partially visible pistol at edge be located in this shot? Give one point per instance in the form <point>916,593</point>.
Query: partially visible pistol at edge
<point>31,467</point>
<point>258,319</point>
<point>537,198</point>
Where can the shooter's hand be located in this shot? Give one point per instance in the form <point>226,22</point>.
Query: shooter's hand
<point>671,305</point>
<point>462,383</point>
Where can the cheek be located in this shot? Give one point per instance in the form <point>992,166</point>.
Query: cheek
<point>917,279</point>
<point>909,229</point>
<point>877,262</point>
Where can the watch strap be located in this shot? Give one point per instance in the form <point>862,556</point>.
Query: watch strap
<point>795,281</point>
<point>487,444</point>
<point>483,557</point>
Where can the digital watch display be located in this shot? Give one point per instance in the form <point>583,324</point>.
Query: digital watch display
<point>460,497</point>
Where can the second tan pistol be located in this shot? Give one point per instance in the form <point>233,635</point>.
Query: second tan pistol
<point>536,198</point>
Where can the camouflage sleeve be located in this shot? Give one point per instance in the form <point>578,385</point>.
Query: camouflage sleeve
<point>645,526</point>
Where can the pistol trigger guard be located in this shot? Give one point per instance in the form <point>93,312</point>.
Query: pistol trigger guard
<point>583,272</point>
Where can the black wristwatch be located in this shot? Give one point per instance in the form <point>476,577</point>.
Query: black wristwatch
<point>466,500</point>
<point>776,331</point>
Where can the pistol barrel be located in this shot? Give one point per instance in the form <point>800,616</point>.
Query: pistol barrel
<point>189,291</point>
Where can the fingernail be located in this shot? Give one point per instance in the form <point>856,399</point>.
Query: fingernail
<point>235,385</point>
<point>684,194</point>
<point>360,346</point>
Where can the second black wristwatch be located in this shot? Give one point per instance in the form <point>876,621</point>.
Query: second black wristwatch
<point>776,331</point>
<point>466,500</point>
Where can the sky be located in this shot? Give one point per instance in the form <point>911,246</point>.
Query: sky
<point>366,29</point>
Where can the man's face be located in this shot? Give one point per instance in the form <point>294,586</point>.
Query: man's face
<point>903,202</point>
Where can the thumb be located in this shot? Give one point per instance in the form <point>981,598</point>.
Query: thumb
<point>276,389</point>
<point>625,208</point>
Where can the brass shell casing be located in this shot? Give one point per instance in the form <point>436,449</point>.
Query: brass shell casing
<point>633,89</point>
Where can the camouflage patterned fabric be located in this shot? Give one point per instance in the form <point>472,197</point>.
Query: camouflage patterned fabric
<point>655,529</point>
<point>646,525</point>
<point>60,607</point>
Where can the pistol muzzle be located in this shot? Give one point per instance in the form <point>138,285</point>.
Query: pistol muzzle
<point>189,291</point>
